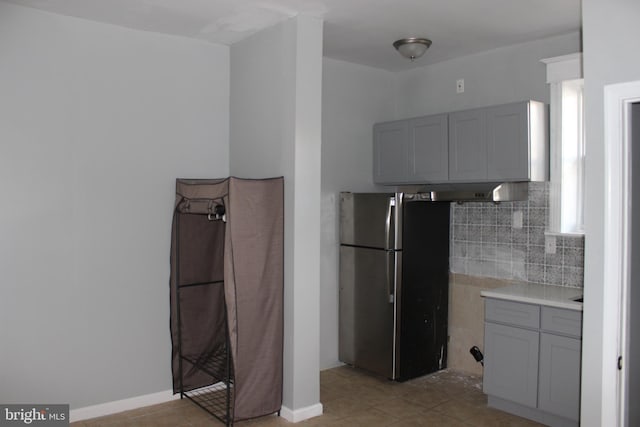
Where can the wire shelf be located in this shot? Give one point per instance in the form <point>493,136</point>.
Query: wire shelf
<point>213,363</point>
<point>215,399</point>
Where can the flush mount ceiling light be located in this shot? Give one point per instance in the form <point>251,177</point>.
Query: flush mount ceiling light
<point>412,47</point>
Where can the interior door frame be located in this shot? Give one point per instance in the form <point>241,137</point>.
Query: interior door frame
<point>617,244</point>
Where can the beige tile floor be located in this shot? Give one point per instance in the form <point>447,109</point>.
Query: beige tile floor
<point>351,399</point>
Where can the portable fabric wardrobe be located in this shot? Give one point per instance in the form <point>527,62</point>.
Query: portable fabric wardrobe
<point>227,255</point>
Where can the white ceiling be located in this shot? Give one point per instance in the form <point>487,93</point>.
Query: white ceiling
<point>359,31</point>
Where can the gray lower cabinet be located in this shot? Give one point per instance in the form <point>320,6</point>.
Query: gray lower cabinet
<point>532,361</point>
<point>559,383</point>
<point>511,367</point>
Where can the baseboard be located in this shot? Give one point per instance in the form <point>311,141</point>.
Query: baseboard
<point>295,416</point>
<point>336,364</point>
<point>122,405</point>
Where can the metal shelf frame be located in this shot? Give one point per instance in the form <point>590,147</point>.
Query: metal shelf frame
<point>216,398</point>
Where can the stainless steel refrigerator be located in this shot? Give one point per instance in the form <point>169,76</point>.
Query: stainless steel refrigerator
<point>394,281</point>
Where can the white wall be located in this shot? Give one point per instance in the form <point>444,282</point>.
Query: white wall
<point>499,76</point>
<point>633,361</point>
<point>96,122</point>
<point>353,98</point>
<point>276,131</point>
<point>611,32</point>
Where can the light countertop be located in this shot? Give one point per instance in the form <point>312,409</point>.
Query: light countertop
<point>534,293</point>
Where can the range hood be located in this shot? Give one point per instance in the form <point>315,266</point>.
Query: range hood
<point>475,192</point>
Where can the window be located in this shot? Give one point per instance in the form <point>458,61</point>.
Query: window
<point>567,154</point>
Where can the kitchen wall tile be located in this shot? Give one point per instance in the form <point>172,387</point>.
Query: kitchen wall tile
<point>553,259</point>
<point>535,254</point>
<point>474,250</point>
<point>519,250</point>
<point>572,276</point>
<point>503,252</point>
<point>536,236</point>
<point>535,273</point>
<point>518,269</point>
<point>488,233</point>
<point>474,232</point>
<point>460,232</point>
<point>484,242</point>
<point>489,214</point>
<point>459,215</point>
<point>459,251</point>
<point>474,268</point>
<point>488,269</point>
<point>538,195</point>
<point>521,205</point>
<point>573,257</point>
<point>505,216</point>
<point>474,215</point>
<point>537,217</point>
<point>520,236</point>
<point>552,274</point>
<point>573,241</point>
<point>458,264</point>
<point>503,269</point>
<point>488,251</point>
<point>504,234</point>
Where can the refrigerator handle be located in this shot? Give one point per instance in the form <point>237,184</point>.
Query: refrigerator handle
<point>391,276</point>
<point>389,224</point>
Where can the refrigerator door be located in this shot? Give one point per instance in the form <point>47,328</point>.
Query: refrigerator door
<point>423,294</point>
<point>366,305</point>
<point>370,220</point>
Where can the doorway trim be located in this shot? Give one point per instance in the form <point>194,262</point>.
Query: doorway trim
<point>617,133</point>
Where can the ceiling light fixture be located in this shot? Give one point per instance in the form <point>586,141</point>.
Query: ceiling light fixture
<point>412,47</point>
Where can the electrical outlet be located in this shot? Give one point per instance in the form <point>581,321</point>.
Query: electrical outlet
<point>550,244</point>
<point>517,219</point>
<point>460,86</point>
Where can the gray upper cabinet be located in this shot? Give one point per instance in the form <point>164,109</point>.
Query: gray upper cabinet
<point>505,143</point>
<point>467,145</point>
<point>411,151</point>
<point>390,152</point>
<point>428,149</point>
<point>508,144</point>
<point>497,144</point>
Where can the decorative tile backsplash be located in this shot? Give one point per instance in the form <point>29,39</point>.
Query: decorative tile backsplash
<point>484,242</point>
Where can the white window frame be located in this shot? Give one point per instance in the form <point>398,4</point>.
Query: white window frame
<point>561,70</point>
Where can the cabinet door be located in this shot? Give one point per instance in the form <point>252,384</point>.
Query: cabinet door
<point>390,152</point>
<point>559,385</point>
<point>508,143</point>
<point>429,149</point>
<point>511,363</point>
<point>467,146</point>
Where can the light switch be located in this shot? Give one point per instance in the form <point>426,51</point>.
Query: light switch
<point>550,244</point>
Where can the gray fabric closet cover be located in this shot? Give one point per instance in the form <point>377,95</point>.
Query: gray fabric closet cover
<point>248,254</point>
